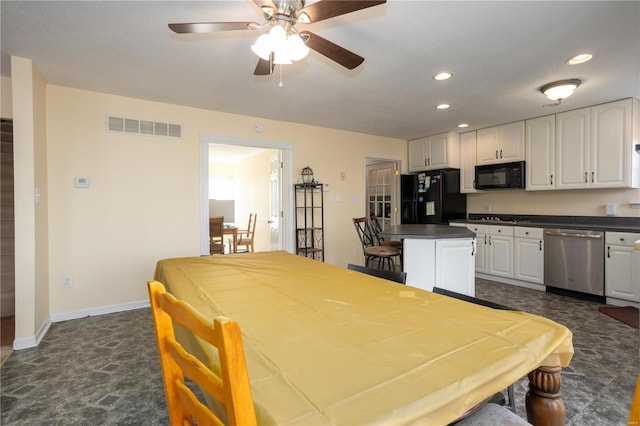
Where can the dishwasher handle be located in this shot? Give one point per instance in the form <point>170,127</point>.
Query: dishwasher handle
<point>575,234</point>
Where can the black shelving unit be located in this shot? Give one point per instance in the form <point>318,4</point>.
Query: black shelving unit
<point>309,220</point>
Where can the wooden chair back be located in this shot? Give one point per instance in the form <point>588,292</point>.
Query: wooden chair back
<point>246,235</point>
<point>231,387</point>
<point>216,242</point>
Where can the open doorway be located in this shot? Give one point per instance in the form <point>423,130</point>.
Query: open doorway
<point>257,174</point>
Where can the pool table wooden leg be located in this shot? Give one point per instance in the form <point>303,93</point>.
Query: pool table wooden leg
<point>544,402</point>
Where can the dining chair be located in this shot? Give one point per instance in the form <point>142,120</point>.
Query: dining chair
<point>384,255</point>
<point>230,387</point>
<point>216,241</point>
<point>376,228</point>
<point>396,276</point>
<point>245,236</point>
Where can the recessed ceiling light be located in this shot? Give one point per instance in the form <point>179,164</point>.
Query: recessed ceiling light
<point>442,76</point>
<point>463,125</point>
<point>580,59</point>
<point>443,106</point>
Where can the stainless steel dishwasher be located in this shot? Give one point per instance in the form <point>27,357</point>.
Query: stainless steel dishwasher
<point>574,261</point>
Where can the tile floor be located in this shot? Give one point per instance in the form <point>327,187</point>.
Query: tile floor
<point>104,369</point>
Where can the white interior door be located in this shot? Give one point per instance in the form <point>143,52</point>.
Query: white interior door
<point>381,192</point>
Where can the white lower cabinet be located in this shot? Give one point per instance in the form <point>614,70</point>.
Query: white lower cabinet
<point>529,254</point>
<point>500,251</point>
<point>455,265</point>
<point>622,280</point>
<point>481,264</point>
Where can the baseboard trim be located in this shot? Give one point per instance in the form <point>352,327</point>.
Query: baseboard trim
<point>511,281</point>
<point>34,341</point>
<point>100,310</point>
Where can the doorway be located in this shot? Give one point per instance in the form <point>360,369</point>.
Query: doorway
<point>382,181</point>
<point>273,218</point>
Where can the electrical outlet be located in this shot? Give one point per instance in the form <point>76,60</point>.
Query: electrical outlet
<point>67,281</point>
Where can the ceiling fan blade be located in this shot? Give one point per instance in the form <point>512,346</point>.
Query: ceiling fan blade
<point>264,67</point>
<point>325,9</point>
<point>210,27</point>
<point>332,51</point>
<point>266,6</point>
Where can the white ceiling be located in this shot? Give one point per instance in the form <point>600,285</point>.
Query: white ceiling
<point>500,54</point>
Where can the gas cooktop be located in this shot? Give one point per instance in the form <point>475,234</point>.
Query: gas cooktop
<point>499,219</point>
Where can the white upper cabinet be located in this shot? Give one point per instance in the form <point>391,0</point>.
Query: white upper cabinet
<point>540,146</point>
<point>594,146</point>
<point>612,146</point>
<point>435,152</point>
<point>500,144</point>
<point>572,149</point>
<point>467,162</point>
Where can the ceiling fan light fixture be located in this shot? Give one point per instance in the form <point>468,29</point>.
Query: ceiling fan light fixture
<point>561,89</point>
<point>262,47</point>
<point>280,57</point>
<point>296,47</point>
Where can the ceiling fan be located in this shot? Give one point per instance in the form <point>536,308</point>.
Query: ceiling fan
<point>284,43</point>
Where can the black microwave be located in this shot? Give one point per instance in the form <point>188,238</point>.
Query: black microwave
<point>499,176</point>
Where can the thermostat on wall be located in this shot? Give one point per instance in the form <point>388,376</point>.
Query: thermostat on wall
<point>82,182</point>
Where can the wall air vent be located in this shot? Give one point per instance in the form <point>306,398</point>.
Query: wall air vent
<point>143,127</point>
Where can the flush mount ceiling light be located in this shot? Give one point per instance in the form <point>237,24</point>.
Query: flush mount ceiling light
<point>580,59</point>
<point>443,106</point>
<point>561,89</point>
<point>463,125</point>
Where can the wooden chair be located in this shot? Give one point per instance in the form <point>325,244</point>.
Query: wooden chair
<point>216,242</point>
<point>230,388</point>
<point>383,254</point>
<point>396,276</point>
<point>245,236</point>
<point>376,228</point>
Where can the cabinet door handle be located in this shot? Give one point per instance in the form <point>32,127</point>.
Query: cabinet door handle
<point>500,153</point>
<point>609,251</point>
<point>497,154</point>
<point>485,240</point>
<point>429,161</point>
<point>551,179</point>
<point>621,239</point>
<point>473,248</point>
<point>593,175</point>
<point>489,239</point>
<point>585,177</point>
<point>540,245</point>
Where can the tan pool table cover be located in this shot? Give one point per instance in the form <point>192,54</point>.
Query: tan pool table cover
<point>326,345</point>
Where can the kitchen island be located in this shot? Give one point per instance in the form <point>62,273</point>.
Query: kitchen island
<point>437,256</point>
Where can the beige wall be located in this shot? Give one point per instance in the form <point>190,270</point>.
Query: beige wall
<point>251,178</point>
<point>143,203</point>
<point>30,186</point>
<point>576,202</point>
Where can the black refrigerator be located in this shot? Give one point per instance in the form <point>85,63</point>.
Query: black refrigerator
<point>432,197</point>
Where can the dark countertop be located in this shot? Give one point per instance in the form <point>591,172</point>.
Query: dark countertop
<point>432,232</point>
<point>591,223</point>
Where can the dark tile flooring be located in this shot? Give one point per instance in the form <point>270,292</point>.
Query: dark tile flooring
<point>105,370</point>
